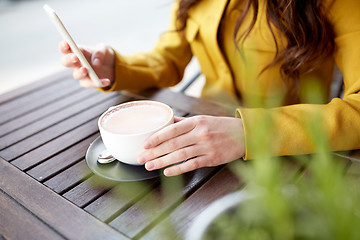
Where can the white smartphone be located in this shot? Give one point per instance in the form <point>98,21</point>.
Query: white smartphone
<point>65,34</point>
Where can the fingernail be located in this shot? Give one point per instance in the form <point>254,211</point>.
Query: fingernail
<point>147,144</point>
<point>105,82</point>
<point>149,165</point>
<point>73,58</point>
<point>96,61</point>
<point>168,172</point>
<point>141,160</point>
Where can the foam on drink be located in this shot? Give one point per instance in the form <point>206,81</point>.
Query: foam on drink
<point>136,118</point>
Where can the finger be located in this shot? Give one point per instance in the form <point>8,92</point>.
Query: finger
<point>105,82</point>
<point>70,60</point>
<point>64,47</point>
<point>167,147</point>
<point>173,158</point>
<point>168,132</point>
<point>86,51</point>
<point>98,56</point>
<point>87,83</point>
<point>81,73</point>
<point>187,166</point>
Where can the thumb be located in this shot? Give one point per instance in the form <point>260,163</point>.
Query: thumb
<point>97,58</point>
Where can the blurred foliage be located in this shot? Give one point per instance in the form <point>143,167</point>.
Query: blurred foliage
<point>321,203</point>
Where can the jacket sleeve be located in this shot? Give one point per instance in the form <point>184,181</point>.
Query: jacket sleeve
<point>290,133</point>
<point>162,67</point>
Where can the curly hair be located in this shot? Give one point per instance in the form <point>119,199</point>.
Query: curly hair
<point>309,33</point>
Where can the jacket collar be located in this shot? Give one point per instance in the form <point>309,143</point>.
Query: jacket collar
<point>208,13</point>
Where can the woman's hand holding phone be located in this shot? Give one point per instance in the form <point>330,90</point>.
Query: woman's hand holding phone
<point>101,58</point>
<point>93,66</point>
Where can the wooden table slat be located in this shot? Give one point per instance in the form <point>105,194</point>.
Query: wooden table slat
<point>120,198</point>
<point>218,186</point>
<point>34,86</point>
<point>350,155</point>
<point>20,223</point>
<point>353,175</point>
<point>34,100</point>
<point>181,102</point>
<point>179,113</point>
<point>69,177</point>
<point>354,169</point>
<point>60,215</point>
<point>59,162</point>
<point>53,119</point>
<point>154,205</point>
<point>87,191</point>
<point>40,113</point>
<point>67,125</point>
<point>49,149</point>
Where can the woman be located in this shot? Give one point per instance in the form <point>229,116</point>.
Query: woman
<point>247,49</point>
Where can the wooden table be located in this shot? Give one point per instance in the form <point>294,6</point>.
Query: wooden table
<point>48,192</point>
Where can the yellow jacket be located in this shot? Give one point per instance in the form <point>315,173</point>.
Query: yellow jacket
<point>224,69</point>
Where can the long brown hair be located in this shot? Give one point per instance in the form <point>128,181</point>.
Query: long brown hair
<point>309,34</point>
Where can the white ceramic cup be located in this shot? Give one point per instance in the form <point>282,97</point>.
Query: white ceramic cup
<point>125,147</point>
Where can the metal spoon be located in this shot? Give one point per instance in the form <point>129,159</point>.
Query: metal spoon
<point>105,157</point>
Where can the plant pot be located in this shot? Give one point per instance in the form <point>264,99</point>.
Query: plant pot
<point>203,222</point>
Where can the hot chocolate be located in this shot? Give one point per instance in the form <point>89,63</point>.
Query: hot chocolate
<point>124,127</point>
<point>136,118</point>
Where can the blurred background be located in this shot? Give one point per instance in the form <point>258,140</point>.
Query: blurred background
<point>29,40</point>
